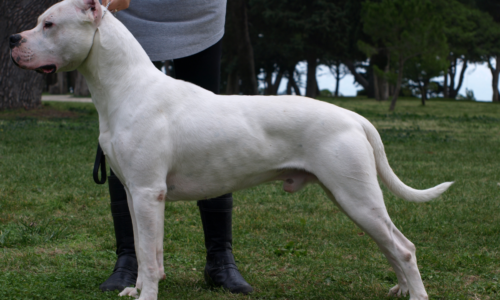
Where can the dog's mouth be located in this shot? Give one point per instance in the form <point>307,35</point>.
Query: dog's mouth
<point>47,69</point>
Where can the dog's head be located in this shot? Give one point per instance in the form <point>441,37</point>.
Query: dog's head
<point>61,40</point>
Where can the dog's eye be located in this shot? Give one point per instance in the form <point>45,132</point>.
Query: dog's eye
<point>48,24</point>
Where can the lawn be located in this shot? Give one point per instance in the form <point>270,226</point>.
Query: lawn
<point>57,240</point>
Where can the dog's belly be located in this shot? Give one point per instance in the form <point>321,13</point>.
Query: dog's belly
<point>181,187</point>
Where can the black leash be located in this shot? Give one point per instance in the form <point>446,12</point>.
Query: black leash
<point>100,161</point>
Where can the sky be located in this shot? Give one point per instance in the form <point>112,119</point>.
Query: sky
<point>477,78</point>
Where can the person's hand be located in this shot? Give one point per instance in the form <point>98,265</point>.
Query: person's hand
<point>116,5</point>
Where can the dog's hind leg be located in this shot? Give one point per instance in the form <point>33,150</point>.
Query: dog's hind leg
<point>401,289</point>
<point>148,210</point>
<point>400,252</point>
<point>348,175</point>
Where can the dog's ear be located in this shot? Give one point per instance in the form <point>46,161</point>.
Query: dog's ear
<point>94,9</point>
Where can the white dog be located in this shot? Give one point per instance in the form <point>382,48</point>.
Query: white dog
<point>170,140</point>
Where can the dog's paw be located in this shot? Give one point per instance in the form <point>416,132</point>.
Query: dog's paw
<point>131,292</point>
<point>398,291</point>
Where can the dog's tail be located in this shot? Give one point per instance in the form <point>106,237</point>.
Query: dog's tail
<point>387,174</point>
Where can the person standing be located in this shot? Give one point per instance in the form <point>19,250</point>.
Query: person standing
<point>189,32</point>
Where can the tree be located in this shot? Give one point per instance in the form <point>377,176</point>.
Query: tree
<point>292,82</point>
<point>489,37</point>
<point>422,68</point>
<point>465,29</point>
<point>352,57</point>
<point>339,71</point>
<point>358,77</point>
<point>492,7</point>
<point>493,59</point>
<point>286,32</point>
<point>275,55</point>
<point>495,72</point>
<point>403,29</point>
<point>238,54</point>
<point>18,87</point>
<point>378,71</point>
<point>81,89</point>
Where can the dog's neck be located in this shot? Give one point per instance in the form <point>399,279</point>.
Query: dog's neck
<point>115,60</point>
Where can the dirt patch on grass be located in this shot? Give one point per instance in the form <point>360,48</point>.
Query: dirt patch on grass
<point>53,252</point>
<point>470,279</point>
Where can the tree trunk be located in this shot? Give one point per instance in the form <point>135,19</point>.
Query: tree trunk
<point>398,85</point>
<point>385,90</point>
<point>269,83</point>
<point>385,84</point>
<point>289,86</point>
<point>50,79</point>
<point>81,89</point>
<point>358,77</point>
<point>62,82</point>
<point>376,87</point>
<point>495,72</point>
<point>370,73</point>
<point>452,71</point>
<point>292,81</point>
<point>61,85</point>
<point>452,90</point>
<point>233,83</point>
<point>272,87</point>
<point>18,87</point>
<point>445,86</point>
<point>423,91</point>
<point>422,95</point>
<point>337,80</point>
<point>392,89</point>
<point>277,81</point>
<point>495,86</point>
<point>381,87</point>
<point>237,9</point>
<point>460,80</point>
<point>311,86</point>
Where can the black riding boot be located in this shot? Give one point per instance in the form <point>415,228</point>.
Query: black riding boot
<point>125,271</point>
<point>221,270</point>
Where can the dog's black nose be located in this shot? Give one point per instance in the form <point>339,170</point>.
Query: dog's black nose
<point>14,40</point>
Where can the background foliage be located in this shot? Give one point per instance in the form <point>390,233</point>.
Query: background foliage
<point>444,37</point>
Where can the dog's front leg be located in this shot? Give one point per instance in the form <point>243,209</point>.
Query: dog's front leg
<point>148,205</point>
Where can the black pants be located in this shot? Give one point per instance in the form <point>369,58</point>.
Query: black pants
<point>202,69</point>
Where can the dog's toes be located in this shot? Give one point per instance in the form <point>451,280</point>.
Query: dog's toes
<point>393,291</point>
<point>131,292</point>
<point>398,291</point>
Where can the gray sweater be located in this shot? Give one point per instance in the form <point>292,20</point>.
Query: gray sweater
<point>170,29</point>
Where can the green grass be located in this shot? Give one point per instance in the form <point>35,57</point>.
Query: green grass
<point>57,242</point>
